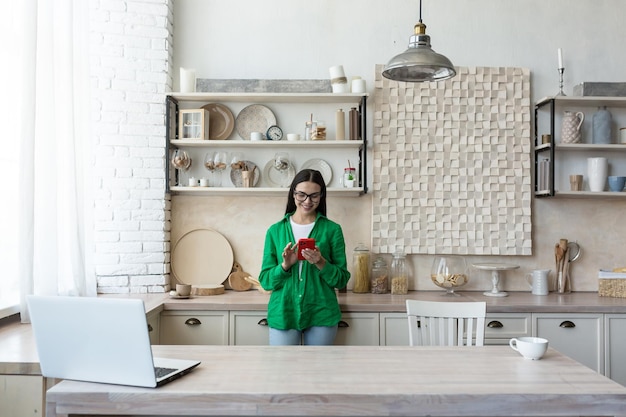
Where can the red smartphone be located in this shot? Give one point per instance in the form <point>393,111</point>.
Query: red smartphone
<point>305,243</point>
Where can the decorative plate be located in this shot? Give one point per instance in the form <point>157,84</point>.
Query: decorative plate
<point>276,178</point>
<point>221,121</point>
<point>320,165</point>
<point>254,118</point>
<point>202,256</point>
<point>235,175</point>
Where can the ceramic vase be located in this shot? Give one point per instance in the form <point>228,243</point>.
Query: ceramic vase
<point>597,171</point>
<point>570,127</point>
<point>602,126</point>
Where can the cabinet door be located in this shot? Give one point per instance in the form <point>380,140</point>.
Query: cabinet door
<point>579,336</point>
<point>394,329</point>
<point>358,329</point>
<point>22,395</point>
<point>194,328</point>
<point>501,327</point>
<point>615,347</point>
<point>249,328</point>
<point>153,327</point>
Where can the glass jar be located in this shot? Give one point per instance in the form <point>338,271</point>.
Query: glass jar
<point>319,132</point>
<point>361,265</point>
<point>349,177</point>
<point>310,128</point>
<point>400,273</point>
<point>379,283</point>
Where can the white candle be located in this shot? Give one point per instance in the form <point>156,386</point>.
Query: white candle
<point>187,80</point>
<point>560,59</point>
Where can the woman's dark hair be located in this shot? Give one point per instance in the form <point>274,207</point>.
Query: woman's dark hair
<point>306,175</point>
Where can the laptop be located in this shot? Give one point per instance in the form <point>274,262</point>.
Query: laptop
<point>99,340</point>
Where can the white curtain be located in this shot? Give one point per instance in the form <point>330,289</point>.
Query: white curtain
<point>55,205</point>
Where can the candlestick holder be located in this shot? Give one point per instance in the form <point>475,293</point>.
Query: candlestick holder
<point>561,71</point>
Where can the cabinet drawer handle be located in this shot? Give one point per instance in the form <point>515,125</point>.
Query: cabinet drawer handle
<point>343,324</point>
<point>192,322</point>
<point>567,325</point>
<point>150,328</point>
<point>262,322</point>
<point>495,324</point>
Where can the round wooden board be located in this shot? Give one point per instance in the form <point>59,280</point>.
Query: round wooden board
<point>208,290</point>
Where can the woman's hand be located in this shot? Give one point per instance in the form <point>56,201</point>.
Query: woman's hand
<point>290,257</point>
<point>314,256</point>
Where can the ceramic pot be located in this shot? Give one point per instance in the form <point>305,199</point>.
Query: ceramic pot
<point>570,127</point>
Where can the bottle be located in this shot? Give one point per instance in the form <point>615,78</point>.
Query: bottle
<point>340,125</point>
<point>400,273</point>
<point>361,265</point>
<point>379,283</point>
<point>602,126</point>
<point>354,128</point>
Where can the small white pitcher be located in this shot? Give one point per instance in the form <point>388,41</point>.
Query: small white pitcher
<point>538,281</point>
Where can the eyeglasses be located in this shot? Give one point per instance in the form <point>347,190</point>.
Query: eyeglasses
<point>301,197</point>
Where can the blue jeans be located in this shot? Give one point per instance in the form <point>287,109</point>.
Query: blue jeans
<point>315,335</point>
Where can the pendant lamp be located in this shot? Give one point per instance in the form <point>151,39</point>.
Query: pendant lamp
<point>419,62</point>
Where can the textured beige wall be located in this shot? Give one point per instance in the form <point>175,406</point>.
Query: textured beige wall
<point>598,226</point>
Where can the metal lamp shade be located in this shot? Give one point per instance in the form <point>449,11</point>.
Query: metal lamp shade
<point>419,62</point>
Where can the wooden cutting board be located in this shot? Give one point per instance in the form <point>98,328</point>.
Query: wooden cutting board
<point>208,289</point>
<point>237,279</point>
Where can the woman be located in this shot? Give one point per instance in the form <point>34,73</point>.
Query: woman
<point>303,307</point>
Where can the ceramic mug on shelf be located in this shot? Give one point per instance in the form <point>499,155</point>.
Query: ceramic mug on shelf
<point>538,281</point>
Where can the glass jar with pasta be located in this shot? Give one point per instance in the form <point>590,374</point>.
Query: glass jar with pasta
<point>361,266</point>
<point>400,273</point>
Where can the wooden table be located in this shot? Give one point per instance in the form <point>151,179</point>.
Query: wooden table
<point>355,381</point>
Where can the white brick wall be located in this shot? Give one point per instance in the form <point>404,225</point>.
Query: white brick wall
<point>131,59</point>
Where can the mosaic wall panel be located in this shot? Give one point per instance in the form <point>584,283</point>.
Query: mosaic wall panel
<point>452,164</point>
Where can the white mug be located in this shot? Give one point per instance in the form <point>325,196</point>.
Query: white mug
<point>256,136</point>
<point>538,281</point>
<point>529,347</point>
<point>622,134</point>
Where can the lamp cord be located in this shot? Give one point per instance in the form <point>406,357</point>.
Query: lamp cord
<point>420,11</point>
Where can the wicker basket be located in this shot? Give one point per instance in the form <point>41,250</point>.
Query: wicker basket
<point>612,287</point>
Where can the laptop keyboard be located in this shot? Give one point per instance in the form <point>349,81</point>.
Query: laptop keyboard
<point>160,372</point>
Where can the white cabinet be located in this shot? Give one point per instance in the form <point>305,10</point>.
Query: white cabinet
<point>615,347</point>
<point>194,327</point>
<point>501,327</point>
<point>154,319</point>
<point>566,159</point>
<point>394,329</point>
<point>579,336</point>
<point>291,111</point>
<point>22,395</point>
<point>358,329</point>
<point>248,328</point>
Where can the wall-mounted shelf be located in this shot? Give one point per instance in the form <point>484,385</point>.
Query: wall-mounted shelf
<point>569,158</point>
<point>291,110</point>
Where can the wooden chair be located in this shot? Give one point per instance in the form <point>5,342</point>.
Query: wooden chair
<point>446,323</point>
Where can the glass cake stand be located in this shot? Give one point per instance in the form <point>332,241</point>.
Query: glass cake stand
<point>497,270</point>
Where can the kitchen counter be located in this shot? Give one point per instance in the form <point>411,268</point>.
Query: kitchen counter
<point>355,380</point>
<point>18,354</point>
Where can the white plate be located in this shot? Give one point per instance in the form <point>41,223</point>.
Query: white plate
<point>254,118</point>
<point>274,177</point>
<point>201,257</point>
<point>235,175</point>
<point>320,165</point>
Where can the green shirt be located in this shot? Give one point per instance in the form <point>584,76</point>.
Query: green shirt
<point>299,302</point>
